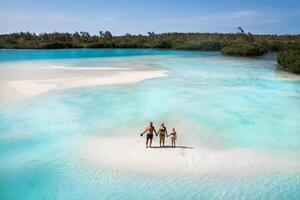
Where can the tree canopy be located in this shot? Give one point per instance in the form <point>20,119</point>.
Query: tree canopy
<point>185,41</point>
<point>245,49</point>
<point>289,60</point>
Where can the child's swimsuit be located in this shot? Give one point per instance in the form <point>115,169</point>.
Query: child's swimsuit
<point>173,135</point>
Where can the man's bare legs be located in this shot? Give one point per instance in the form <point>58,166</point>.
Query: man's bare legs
<point>150,143</point>
<point>147,142</point>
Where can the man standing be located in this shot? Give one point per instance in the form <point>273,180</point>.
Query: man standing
<point>149,134</point>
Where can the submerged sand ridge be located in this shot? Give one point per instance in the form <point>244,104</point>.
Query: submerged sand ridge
<point>19,84</point>
<point>128,154</point>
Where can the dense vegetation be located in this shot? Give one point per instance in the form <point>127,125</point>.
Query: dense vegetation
<point>186,41</point>
<point>289,60</point>
<point>245,49</point>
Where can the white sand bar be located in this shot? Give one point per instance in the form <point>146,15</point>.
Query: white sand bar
<point>128,154</point>
<point>19,83</point>
<point>89,68</point>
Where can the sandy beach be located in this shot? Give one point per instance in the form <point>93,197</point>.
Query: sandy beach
<point>128,154</point>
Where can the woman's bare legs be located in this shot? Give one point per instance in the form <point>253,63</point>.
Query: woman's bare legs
<point>161,141</point>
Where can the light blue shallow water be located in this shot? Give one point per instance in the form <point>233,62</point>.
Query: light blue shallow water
<point>233,103</point>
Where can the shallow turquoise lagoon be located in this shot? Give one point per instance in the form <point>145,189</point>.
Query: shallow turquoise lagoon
<point>229,103</point>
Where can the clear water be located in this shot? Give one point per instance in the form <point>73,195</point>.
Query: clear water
<point>232,103</point>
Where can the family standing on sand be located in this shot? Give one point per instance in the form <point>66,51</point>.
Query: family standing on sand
<point>162,132</point>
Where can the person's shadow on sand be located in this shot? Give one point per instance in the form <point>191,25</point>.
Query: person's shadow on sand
<point>169,146</point>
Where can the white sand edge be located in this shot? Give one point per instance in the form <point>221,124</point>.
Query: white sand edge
<point>130,155</point>
<point>89,68</point>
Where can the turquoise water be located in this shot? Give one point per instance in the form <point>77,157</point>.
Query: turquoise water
<point>231,103</point>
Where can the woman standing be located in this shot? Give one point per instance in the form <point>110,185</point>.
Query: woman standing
<point>162,134</point>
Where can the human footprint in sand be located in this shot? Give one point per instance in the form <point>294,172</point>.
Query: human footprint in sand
<point>162,134</point>
<point>173,137</point>
<point>149,134</point>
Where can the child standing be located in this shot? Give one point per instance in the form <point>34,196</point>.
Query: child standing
<point>173,137</point>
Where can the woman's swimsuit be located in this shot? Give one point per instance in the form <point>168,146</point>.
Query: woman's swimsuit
<point>162,131</point>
